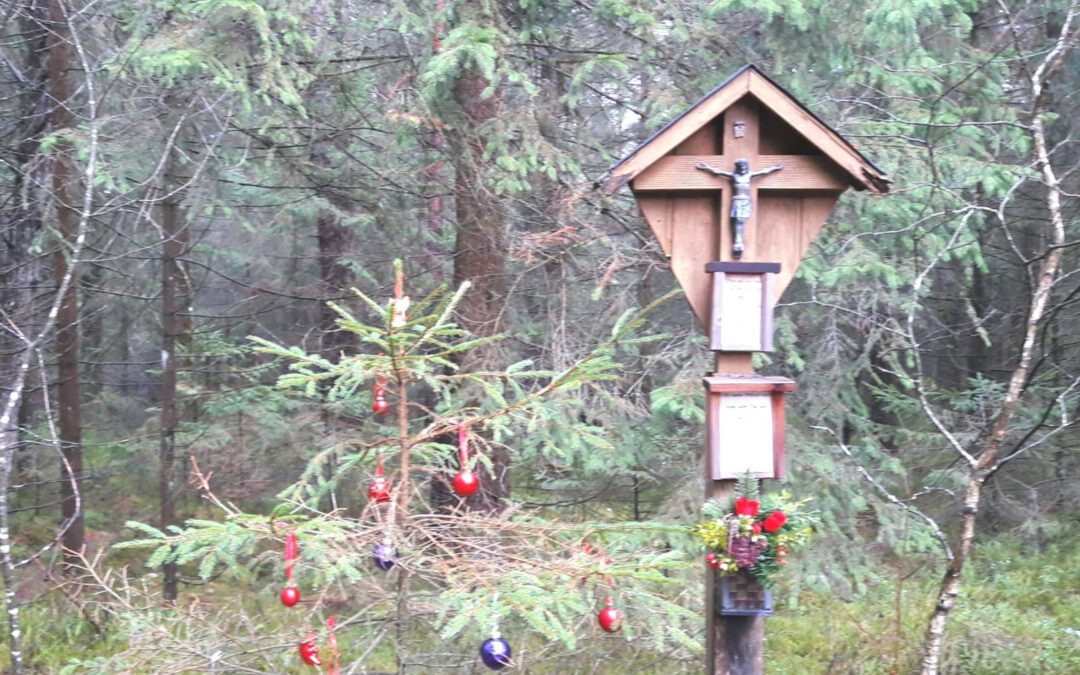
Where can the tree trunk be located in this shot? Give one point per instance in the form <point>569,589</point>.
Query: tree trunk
<point>175,338</point>
<point>68,408</point>
<point>989,458</point>
<point>15,360</point>
<point>22,223</point>
<point>480,253</point>
<point>335,244</point>
<point>950,584</point>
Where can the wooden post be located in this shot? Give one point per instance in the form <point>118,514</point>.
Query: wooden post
<point>735,644</point>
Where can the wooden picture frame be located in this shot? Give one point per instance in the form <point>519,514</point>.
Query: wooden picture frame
<point>744,425</point>
<point>742,306</point>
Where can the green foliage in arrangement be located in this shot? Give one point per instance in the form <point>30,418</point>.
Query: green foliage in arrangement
<point>753,533</point>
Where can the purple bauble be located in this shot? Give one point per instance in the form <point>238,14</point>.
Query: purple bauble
<point>384,556</point>
<point>496,653</point>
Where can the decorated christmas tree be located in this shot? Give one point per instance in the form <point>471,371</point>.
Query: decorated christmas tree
<point>331,579</point>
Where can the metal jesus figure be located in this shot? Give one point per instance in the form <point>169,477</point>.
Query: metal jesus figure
<point>741,201</point>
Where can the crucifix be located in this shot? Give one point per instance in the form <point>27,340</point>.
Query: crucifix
<point>696,216</point>
<point>742,202</point>
<point>766,218</point>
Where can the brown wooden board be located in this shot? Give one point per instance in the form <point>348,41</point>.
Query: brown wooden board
<point>686,228</point>
<point>801,172</point>
<point>790,223</point>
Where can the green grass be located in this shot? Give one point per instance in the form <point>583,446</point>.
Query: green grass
<point>1012,618</point>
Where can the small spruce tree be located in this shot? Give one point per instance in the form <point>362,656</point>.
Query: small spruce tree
<point>457,574</point>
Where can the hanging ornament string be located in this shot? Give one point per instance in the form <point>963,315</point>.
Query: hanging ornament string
<point>495,651</point>
<point>292,552</point>
<point>290,595</point>
<point>332,665</point>
<point>391,516</point>
<point>466,482</point>
<point>463,445</point>
<point>603,558</point>
<point>380,406</point>
<point>384,554</point>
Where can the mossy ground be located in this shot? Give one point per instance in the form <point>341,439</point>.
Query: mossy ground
<point>1019,614</point>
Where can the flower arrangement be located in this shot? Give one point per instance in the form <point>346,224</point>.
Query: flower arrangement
<point>754,533</point>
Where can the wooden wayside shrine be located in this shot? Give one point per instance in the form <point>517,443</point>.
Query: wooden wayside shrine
<point>735,189</point>
<point>747,117</point>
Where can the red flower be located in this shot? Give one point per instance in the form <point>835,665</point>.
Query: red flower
<point>780,516</point>
<point>746,507</point>
<point>772,523</point>
<point>756,528</point>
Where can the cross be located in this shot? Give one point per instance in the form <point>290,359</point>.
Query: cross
<point>740,139</point>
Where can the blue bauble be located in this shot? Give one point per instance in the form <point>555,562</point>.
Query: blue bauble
<point>384,557</point>
<point>496,653</point>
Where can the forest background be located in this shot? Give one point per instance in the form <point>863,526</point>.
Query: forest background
<point>178,176</point>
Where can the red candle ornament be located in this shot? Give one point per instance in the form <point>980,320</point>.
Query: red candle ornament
<point>292,552</point>
<point>379,490</point>
<point>309,650</point>
<point>466,482</point>
<point>290,595</point>
<point>332,668</point>
<point>380,406</point>
<point>610,619</point>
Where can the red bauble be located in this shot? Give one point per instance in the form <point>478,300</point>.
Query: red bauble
<point>466,483</point>
<point>379,490</point>
<point>309,650</point>
<point>381,406</point>
<point>610,618</point>
<point>290,595</point>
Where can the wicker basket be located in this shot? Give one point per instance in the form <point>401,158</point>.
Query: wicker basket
<point>742,595</point>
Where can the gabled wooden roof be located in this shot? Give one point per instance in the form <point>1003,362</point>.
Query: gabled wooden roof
<point>749,80</point>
